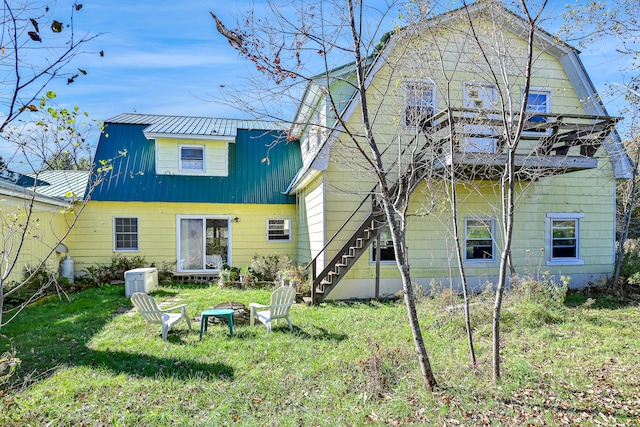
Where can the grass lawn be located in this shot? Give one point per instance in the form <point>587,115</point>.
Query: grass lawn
<point>87,362</point>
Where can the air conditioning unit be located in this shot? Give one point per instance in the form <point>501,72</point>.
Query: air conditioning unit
<point>140,280</point>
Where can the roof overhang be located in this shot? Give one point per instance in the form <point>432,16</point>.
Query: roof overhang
<point>160,135</point>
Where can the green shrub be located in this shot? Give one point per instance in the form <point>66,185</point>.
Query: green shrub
<point>631,261</point>
<point>297,276</point>
<point>267,267</point>
<point>106,273</point>
<point>538,300</point>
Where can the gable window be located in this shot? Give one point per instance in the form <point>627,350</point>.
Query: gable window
<point>278,230</point>
<point>192,158</point>
<point>387,252</point>
<point>479,239</point>
<point>563,238</point>
<point>538,101</point>
<point>419,103</point>
<point>125,234</point>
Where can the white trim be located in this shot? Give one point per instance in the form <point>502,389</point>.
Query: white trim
<point>549,260</point>
<point>155,135</point>
<point>548,106</point>
<point>290,223</point>
<point>113,221</point>
<point>192,171</point>
<point>425,83</point>
<point>204,240</point>
<point>479,262</point>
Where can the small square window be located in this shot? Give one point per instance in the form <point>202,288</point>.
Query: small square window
<point>192,158</point>
<point>278,230</point>
<point>479,240</point>
<point>125,234</point>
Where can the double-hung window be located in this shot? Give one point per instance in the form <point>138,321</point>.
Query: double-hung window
<point>192,158</point>
<point>278,230</point>
<point>563,238</point>
<point>125,234</point>
<point>419,103</point>
<point>538,101</point>
<point>479,239</point>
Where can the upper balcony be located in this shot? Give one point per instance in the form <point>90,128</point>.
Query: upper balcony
<point>474,142</point>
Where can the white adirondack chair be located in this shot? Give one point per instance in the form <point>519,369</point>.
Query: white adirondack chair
<point>152,313</point>
<point>281,301</point>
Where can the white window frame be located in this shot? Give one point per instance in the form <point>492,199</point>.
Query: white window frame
<point>204,219</point>
<point>492,223</point>
<point>533,91</point>
<point>422,103</point>
<point>550,260</point>
<point>286,226</point>
<point>116,233</point>
<point>181,166</point>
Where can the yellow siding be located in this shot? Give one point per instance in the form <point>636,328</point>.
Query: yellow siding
<point>92,240</point>
<point>168,156</point>
<point>314,219</point>
<point>46,226</point>
<point>429,238</point>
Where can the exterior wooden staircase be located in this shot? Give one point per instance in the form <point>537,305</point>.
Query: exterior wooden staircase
<point>346,257</point>
<point>556,135</point>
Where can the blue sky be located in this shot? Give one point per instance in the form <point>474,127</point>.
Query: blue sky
<point>166,57</point>
<point>160,57</point>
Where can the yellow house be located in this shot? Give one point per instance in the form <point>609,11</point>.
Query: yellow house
<point>36,213</point>
<point>197,193</point>
<point>445,100</point>
<point>190,194</point>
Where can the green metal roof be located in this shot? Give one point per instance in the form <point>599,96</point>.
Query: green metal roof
<point>250,180</point>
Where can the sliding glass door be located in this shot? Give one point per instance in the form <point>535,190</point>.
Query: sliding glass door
<point>203,243</point>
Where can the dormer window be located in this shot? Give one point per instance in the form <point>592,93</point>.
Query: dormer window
<point>192,158</point>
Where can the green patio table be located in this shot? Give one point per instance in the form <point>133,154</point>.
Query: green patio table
<point>224,313</point>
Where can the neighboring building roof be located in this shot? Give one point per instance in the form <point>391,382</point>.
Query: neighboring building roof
<point>62,184</point>
<point>250,180</point>
<point>11,189</point>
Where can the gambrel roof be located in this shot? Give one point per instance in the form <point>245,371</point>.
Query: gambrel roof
<point>565,54</point>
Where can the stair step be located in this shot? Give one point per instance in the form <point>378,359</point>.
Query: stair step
<point>307,300</point>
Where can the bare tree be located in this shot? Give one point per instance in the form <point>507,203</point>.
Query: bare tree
<point>453,148</point>
<point>617,26</point>
<point>280,46</point>
<point>38,46</point>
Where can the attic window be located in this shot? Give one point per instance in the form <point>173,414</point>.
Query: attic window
<point>419,102</point>
<point>192,158</point>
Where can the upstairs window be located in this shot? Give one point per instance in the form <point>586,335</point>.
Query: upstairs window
<point>125,234</point>
<point>479,239</point>
<point>192,158</point>
<point>419,104</point>
<point>278,230</point>
<point>538,101</point>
